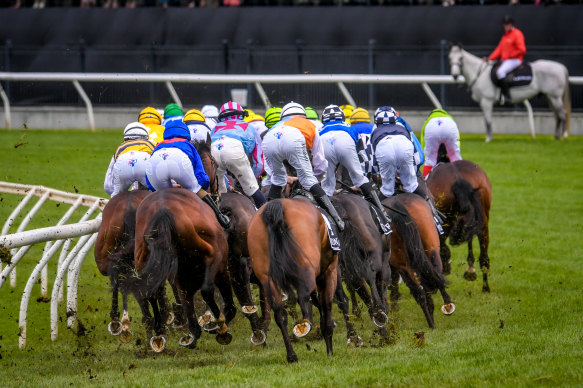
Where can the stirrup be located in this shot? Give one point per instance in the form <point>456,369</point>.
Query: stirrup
<point>438,225</point>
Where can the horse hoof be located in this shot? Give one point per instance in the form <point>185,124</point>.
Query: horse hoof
<point>470,274</point>
<point>284,298</point>
<point>187,341</point>
<point>448,309</point>
<point>258,337</point>
<point>249,309</point>
<point>170,318</point>
<point>225,338</point>
<point>125,336</point>
<point>158,343</point>
<point>355,340</point>
<point>302,329</point>
<point>211,327</point>
<point>114,327</point>
<point>380,319</point>
<point>292,358</point>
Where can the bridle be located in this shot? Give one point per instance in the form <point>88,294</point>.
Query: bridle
<point>481,68</point>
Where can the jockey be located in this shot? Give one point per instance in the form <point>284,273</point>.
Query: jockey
<point>258,122</point>
<point>312,115</point>
<point>234,139</point>
<point>439,128</point>
<point>151,118</point>
<point>211,114</point>
<point>510,50</point>
<point>289,141</point>
<point>340,143</point>
<point>128,164</point>
<point>172,112</point>
<point>393,148</point>
<point>176,159</point>
<point>196,123</point>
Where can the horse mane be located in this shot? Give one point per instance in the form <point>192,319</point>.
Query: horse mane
<point>468,197</point>
<point>203,147</point>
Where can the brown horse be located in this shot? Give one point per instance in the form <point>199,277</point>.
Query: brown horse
<point>419,266</point>
<point>179,238</point>
<point>114,252</point>
<point>289,247</point>
<point>463,193</point>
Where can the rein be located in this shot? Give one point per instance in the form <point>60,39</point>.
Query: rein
<point>480,69</point>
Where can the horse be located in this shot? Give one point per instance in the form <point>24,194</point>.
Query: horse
<point>418,264</point>
<point>463,193</point>
<point>114,252</point>
<point>364,258</point>
<point>179,239</point>
<point>289,247</point>
<point>548,78</point>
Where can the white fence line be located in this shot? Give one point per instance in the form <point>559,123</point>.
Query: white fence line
<point>56,236</point>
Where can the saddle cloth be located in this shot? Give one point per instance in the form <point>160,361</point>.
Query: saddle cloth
<point>384,229</point>
<point>521,76</point>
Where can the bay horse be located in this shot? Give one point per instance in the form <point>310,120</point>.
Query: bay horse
<point>289,248</point>
<point>463,193</point>
<point>548,78</point>
<point>419,265</point>
<point>179,239</point>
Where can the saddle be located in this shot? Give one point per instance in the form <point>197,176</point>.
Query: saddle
<point>521,76</point>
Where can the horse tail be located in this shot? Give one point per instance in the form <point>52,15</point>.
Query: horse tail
<point>430,277</point>
<point>567,103</point>
<point>353,255</point>
<point>284,251</point>
<point>121,263</point>
<point>160,236</point>
<point>465,196</point>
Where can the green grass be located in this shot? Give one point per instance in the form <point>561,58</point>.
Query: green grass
<point>528,331</point>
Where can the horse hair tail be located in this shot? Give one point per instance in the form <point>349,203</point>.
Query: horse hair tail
<point>121,263</point>
<point>284,251</point>
<point>353,255</point>
<point>162,263</point>
<point>567,102</point>
<point>465,195</point>
<point>431,278</point>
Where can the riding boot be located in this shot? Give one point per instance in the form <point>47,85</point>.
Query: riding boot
<point>274,192</point>
<point>223,219</point>
<point>258,198</point>
<point>324,201</point>
<point>437,217</point>
<point>504,93</point>
<point>371,196</point>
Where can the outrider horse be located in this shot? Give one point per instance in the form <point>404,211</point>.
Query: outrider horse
<point>289,247</point>
<point>463,193</point>
<point>420,269</point>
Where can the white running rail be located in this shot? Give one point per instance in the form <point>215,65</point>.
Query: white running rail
<point>56,237</point>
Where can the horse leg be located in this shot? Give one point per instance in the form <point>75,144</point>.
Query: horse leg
<point>114,326</point>
<point>448,307</point>
<point>158,341</point>
<point>126,333</point>
<point>177,308</point>
<point>187,303</point>
<point>223,282</point>
<point>445,254</point>
<point>484,239</point>
<point>326,289</point>
<point>342,302</point>
<point>303,328</point>
<point>165,312</point>
<point>470,273</point>
<point>487,107</point>
<point>560,116</point>
<point>394,286</point>
<point>379,317</point>
<point>352,292</point>
<point>240,280</point>
<point>419,295</point>
<point>280,316</point>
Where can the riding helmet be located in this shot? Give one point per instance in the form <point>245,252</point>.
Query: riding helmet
<point>292,109</point>
<point>135,131</point>
<point>332,113</point>
<point>385,115</point>
<point>232,110</point>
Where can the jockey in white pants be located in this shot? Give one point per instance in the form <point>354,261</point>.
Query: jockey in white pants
<point>393,149</point>
<point>128,164</point>
<point>234,139</point>
<point>439,128</point>
<point>340,144</point>
<point>176,159</point>
<point>289,140</point>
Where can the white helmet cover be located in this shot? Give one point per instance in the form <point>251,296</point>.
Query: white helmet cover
<point>135,130</point>
<point>293,109</point>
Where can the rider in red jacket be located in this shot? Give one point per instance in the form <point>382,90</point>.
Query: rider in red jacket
<point>510,50</point>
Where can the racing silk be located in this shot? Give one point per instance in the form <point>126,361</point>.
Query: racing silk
<point>434,113</point>
<point>198,130</point>
<point>384,130</point>
<point>134,145</point>
<point>171,118</point>
<point>156,132</point>
<point>511,46</point>
<point>363,128</point>
<point>418,148</point>
<point>176,138</point>
<point>340,126</point>
<point>248,135</point>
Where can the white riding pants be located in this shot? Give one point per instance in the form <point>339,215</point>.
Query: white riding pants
<point>339,148</point>
<point>129,168</point>
<point>395,154</point>
<point>441,130</point>
<point>230,155</point>
<point>169,164</point>
<point>506,67</point>
<point>288,143</point>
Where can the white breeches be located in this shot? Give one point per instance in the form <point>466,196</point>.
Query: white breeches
<point>168,164</point>
<point>129,167</point>
<point>288,144</point>
<point>441,130</point>
<point>339,148</point>
<point>230,155</point>
<point>395,154</point>
<point>506,67</point>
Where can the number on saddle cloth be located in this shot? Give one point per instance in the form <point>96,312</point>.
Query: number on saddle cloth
<point>521,76</point>
<point>332,229</point>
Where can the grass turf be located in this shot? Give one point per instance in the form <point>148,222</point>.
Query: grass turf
<point>527,331</point>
